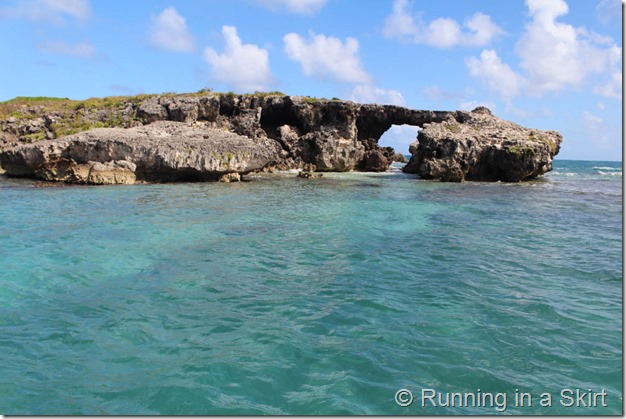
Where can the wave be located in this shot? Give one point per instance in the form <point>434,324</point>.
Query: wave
<point>605,168</point>
<point>595,173</point>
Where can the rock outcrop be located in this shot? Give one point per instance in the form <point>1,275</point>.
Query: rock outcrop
<point>481,147</point>
<point>60,169</point>
<point>400,158</point>
<point>209,136</point>
<point>161,151</point>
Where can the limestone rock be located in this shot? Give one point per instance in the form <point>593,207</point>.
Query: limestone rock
<point>309,175</point>
<point>152,110</point>
<point>481,147</point>
<point>230,177</point>
<point>92,173</point>
<point>333,153</point>
<point>377,160</point>
<point>182,109</point>
<point>272,132</point>
<point>162,151</point>
<point>112,173</point>
<point>400,158</point>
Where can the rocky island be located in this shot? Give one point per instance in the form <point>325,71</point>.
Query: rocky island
<point>211,136</point>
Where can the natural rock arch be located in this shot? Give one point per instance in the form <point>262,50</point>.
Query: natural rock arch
<point>291,132</point>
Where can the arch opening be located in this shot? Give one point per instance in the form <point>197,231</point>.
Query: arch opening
<point>400,137</point>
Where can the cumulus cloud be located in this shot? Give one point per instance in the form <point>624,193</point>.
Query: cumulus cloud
<point>303,7</point>
<point>169,31</point>
<point>327,57</point>
<point>330,58</point>
<point>373,94</point>
<point>477,30</point>
<point>245,67</point>
<point>553,56</point>
<point>496,75</point>
<point>54,11</point>
<point>556,55</point>
<point>80,50</point>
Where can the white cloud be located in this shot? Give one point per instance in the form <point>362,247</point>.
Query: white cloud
<point>482,30</point>
<point>528,113</point>
<point>553,57</point>
<point>243,66</point>
<point>436,93</point>
<point>592,120</point>
<point>372,94</point>
<point>477,30</point>
<point>121,88</point>
<point>599,132</point>
<point>473,104</point>
<point>327,57</point>
<point>303,7</point>
<point>54,11</point>
<point>83,50</point>
<point>557,56</point>
<point>609,11</point>
<point>613,88</point>
<point>330,58</point>
<point>399,137</point>
<point>169,31</point>
<point>400,24</point>
<point>498,76</point>
<point>79,9</point>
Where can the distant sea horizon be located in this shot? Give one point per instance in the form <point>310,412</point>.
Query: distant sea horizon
<point>356,293</point>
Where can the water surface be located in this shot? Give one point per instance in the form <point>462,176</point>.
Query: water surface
<point>325,296</point>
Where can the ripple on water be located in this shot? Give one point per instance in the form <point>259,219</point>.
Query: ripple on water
<point>324,297</point>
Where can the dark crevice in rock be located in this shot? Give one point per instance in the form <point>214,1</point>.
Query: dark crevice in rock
<point>275,116</point>
<point>179,175</point>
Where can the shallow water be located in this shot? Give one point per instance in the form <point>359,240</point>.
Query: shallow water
<point>325,296</point>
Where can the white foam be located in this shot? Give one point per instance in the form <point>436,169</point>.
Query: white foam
<point>564,173</point>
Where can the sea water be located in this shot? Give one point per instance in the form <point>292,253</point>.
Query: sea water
<point>323,296</point>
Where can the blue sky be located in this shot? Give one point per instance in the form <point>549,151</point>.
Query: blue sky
<point>550,64</point>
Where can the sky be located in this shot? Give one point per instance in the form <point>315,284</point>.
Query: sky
<point>548,64</point>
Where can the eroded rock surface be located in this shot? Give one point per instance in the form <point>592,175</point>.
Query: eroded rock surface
<point>481,147</point>
<point>61,169</point>
<point>204,137</point>
<point>161,151</point>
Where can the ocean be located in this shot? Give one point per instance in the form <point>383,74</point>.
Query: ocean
<point>357,293</point>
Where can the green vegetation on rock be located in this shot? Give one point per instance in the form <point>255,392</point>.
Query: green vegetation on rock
<point>38,136</point>
<point>536,137</point>
<point>455,128</point>
<point>522,150</point>
<point>32,100</point>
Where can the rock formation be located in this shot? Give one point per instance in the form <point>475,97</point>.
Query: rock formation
<point>161,151</point>
<point>479,146</point>
<point>399,158</point>
<point>221,136</point>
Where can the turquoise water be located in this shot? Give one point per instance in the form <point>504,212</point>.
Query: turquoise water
<point>326,296</point>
